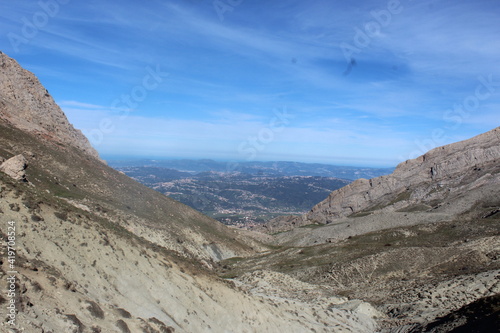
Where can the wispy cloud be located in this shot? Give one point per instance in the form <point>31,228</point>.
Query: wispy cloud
<point>80,105</point>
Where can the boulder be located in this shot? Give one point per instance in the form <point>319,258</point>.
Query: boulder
<point>15,167</point>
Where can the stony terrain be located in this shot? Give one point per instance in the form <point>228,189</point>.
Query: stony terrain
<point>411,275</point>
<point>90,185</point>
<point>441,174</point>
<point>425,253</point>
<point>99,252</point>
<point>415,251</point>
<point>79,272</point>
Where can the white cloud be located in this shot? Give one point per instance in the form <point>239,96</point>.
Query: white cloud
<point>80,105</point>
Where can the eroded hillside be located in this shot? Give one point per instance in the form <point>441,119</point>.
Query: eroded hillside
<point>96,251</point>
<point>421,244</point>
<point>80,272</point>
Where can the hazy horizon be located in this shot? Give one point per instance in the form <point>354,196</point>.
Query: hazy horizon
<point>116,158</point>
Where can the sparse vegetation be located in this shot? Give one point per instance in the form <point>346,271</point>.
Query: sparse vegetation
<point>78,324</point>
<point>124,313</point>
<point>122,326</point>
<point>94,309</point>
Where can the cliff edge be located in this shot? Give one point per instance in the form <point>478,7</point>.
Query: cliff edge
<point>27,105</point>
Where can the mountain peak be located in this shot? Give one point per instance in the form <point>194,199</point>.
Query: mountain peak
<point>27,105</point>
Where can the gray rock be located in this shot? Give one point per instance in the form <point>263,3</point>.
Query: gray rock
<point>15,167</point>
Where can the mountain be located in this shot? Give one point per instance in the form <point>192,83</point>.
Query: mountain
<point>258,168</point>
<point>92,250</point>
<point>421,245</point>
<point>448,180</point>
<point>27,105</point>
<point>431,181</point>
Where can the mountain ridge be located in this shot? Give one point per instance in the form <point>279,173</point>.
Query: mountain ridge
<point>272,168</point>
<point>27,105</point>
<point>442,166</point>
<point>98,252</point>
<point>419,184</point>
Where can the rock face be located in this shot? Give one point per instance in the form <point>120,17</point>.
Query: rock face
<point>27,105</point>
<point>15,167</point>
<point>422,184</point>
<point>427,180</point>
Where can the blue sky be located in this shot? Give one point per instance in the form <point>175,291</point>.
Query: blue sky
<point>368,83</point>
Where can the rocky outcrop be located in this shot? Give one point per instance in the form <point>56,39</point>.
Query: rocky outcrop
<point>426,180</point>
<point>27,105</point>
<point>421,184</point>
<point>281,223</point>
<point>15,167</point>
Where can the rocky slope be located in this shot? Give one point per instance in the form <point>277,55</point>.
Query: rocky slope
<point>36,136</point>
<point>422,245</point>
<point>426,183</point>
<point>428,180</point>
<point>96,251</point>
<point>412,275</point>
<point>91,186</point>
<point>80,272</point>
<point>27,105</point>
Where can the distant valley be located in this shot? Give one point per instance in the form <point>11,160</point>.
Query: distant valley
<point>281,168</point>
<point>246,193</point>
<point>88,249</point>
